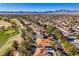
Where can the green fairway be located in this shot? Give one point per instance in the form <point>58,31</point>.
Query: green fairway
<point>13,20</point>
<point>6,34</point>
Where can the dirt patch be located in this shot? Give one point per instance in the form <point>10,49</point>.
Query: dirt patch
<point>5,24</point>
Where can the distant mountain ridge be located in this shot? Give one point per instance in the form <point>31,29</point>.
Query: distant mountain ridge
<point>42,12</point>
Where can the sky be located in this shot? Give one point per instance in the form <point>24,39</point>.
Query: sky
<point>38,6</point>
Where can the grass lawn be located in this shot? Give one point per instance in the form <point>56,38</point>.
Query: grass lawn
<point>6,34</point>
<point>7,46</point>
<point>13,20</point>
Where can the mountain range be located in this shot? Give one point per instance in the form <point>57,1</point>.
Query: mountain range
<point>42,12</point>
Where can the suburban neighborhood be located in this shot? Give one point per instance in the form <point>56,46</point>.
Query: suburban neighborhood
<point>39,35</point>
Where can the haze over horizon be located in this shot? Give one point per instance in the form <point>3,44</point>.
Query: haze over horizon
<point>38,6</point>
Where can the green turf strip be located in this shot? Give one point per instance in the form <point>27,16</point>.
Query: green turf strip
<point>5,35</point>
